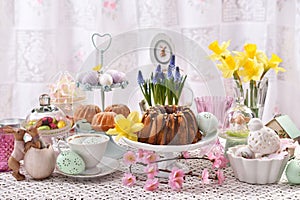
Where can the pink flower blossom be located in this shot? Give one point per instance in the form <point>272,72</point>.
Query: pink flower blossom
<point>129,158</point>
<point>186,154</point>
<point>220,176</point>
<point>176,179</point>
<point>113,5</point>
<point>128,180</point>
<point>211,156</point>
<point>140,155</point>
<point>224,161</point>
<point>151,184</point>
<point>151,170</point>
<point>205,177</point>
<point>218,158</point>
<point>105,4</point>
<point>150,157</point>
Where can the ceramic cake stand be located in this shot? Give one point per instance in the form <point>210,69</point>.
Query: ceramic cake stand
<point>169,150</point>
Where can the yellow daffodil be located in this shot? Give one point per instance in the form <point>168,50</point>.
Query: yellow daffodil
<point>126,127</point>
<point>274,62</point>
<point>97,68</point>
<point>219,51</point>
<point>261,57</point>
<point>252,70</point>
<point>248,66</point>
<point>250,50</point>
<point>228,66</point>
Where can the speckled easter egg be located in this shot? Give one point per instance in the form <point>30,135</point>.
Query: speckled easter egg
<point>70,162</point>
<point>293,171</point>
<point>207,122</point>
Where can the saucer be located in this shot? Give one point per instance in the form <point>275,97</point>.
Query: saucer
<point>107,166</point>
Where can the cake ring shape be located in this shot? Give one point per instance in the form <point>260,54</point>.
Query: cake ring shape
<point>174,125</point>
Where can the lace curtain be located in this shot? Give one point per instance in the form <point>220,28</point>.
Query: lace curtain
<point>39,38</point>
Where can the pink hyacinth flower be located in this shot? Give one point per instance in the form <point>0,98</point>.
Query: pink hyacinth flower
<point>151,184</point>
<point>205,177</point>
<point>220,176</point>
<point>129,158</point>
<point>128,180</point>
<point>151,170</point>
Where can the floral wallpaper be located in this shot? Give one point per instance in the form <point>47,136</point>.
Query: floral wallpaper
<point>39,38</point>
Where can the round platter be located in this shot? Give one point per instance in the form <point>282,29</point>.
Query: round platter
<point>209,139</point>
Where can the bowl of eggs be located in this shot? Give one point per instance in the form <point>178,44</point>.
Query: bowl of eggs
<point>263,159</point>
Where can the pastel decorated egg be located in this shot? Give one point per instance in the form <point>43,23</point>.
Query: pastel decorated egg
<point>90,77</point>
<point>106,79</point>
<point>293,171</point>
<point>117,76</point>
<point>70,162</point>
<point>255,124</point>
<point>263,141</point>
<point>207,122</point>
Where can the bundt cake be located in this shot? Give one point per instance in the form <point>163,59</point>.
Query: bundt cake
<point>118,109</point>
<point>103,121</point>
<point>86,112</point>
<point>174,125</point>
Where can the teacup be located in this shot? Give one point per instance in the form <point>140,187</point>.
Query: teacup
<point>90,147</point>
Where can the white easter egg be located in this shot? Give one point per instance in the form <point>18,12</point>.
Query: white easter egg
<point>207,122</point>
<point>106,79</point>
<point>70,162</point>
<point>263,141</point>
<point>255,124</point>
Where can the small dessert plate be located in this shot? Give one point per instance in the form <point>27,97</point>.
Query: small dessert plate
<point>107,166</point>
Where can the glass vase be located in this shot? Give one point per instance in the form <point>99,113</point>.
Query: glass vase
<point>255,96</point>
<point>235,129</point>
<point>6,148</point>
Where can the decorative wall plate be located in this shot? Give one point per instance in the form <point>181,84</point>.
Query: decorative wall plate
<point>161,49</point>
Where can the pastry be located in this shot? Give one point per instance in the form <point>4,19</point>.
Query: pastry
<point>86,112</point>
<point>174,125</point>
<point>103,121</point>
<point>118,109</point>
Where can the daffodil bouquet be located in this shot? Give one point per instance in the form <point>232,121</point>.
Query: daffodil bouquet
<point>249,66</point>
<point>162,87</point>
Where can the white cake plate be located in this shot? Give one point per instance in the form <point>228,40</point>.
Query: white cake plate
<point>169,150</point>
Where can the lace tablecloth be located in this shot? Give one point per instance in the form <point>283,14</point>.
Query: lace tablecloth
<point>110,187</point>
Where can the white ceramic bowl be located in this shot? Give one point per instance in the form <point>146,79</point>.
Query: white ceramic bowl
<point>256,171</point>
